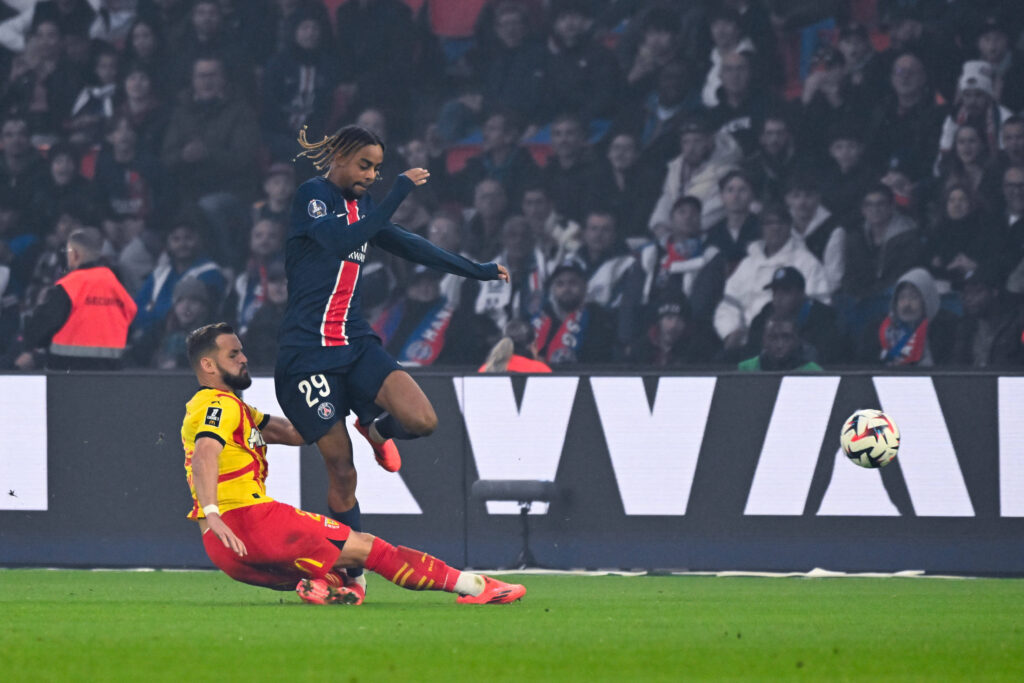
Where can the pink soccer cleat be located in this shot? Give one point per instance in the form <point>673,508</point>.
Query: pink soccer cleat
<point>319,592</point>
<point>495,593</point>
<point>386,453</point>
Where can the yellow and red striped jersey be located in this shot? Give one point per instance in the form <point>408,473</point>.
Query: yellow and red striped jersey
<point>242,472</point>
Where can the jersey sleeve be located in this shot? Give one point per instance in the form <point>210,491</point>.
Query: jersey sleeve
<point>219,419</point>
<point>312,215</point>
<point>414,248</point>
<point>259,419</point>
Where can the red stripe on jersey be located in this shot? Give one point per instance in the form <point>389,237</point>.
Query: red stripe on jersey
<point>332,327</point>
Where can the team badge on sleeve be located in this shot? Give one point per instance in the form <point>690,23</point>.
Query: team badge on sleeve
<point>213,416</point>
<point>316,208</point>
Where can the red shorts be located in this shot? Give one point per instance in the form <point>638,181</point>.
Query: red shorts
<point>283,544</point>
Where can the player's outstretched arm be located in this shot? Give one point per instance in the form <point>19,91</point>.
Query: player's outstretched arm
<point>280,430</point>
<point>204,478</point>
<point>414,248</point>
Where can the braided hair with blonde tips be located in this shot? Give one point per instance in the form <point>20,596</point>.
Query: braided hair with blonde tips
<point>345,140</point>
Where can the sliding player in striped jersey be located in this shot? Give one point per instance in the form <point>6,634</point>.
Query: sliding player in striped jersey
<point>258,540</point>
<point>330,361</point>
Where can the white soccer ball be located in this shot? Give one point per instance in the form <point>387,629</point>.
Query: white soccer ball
<point>870,438</point>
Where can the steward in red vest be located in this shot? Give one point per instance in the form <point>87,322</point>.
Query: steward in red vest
<point>85,317</point>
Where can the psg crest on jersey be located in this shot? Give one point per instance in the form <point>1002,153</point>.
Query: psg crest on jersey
<point>316,208</point>
<point>325,411</point>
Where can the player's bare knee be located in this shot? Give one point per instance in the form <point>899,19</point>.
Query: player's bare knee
<point>423,424</point>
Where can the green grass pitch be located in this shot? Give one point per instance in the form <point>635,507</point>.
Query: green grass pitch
<point>151,626</point>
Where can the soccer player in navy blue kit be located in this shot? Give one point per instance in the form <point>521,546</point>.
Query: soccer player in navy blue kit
<point>330,361</point>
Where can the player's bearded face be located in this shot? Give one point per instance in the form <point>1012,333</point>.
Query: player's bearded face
<point>240,380</point>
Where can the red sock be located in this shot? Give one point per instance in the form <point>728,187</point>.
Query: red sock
<point>409,568</point>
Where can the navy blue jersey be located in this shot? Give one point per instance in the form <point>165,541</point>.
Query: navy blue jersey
<point>326,247</point>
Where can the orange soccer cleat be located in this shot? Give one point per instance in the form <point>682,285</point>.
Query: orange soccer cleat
<point>495,593</point>
<point>386,453</point>
<point>319,592</point>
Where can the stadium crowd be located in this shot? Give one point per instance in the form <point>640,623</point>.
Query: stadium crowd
<point>762,184</point>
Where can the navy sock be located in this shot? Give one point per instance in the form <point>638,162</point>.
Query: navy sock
<point>390,428</point>
<point>352,519</point>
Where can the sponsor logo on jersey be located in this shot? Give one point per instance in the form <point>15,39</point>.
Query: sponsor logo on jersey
<point>316,208</point>
<point>213,416</point>
<point>325,411</point>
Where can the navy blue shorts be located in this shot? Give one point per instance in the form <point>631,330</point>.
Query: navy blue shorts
<point>314,401</point>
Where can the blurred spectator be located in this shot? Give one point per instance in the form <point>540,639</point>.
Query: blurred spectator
<point>817,227</point>
<point>209,146</point>
<point>975,105</point>
<point>266,247</point>
<point>571,168</point>
<point>678,265</point>
<point>916,332</point>
<point>674,339</point>
<point>846,175</point>
<point>555,235</point>
<point>703,159</point>
<point>183,257</point>
<point>19,243</point>
<point>21,168</point>
<point>654,127</point>
<point>42,83</point>
<point>817,323</point>
<point>728,38</point>
<point>51,262</point>
<point>1011,223</point>
<point>94,104</point>
<point>298,85</point>
<point>775,159</point>
<point>128,180</point>
<point>171,15</point>
<point>625,186</point>
<point>62,185</point>
<point>995,46</point>
<point>991,331</point>
<point>963,238</point>
<point>146,50</point>
<point>971,164</point>
<point>131,241</point>
<point>162,346</point>
<point>502,159</point>
<point>523,296</point>
<point>260,339</point>
<point>747,290</point>
<point>570,330</point>
<point>906,124</point>
<point>742,102</point>
<point>508,76</point>
<point>580,76</point>
<point>782,350</point>
<point>146,112</point>
<point>516,351</point>
<point>658,47</point>
<point>422,328</point>
<point>278,191</point>
<point>740,227</point>
<point>483,225</point>
<point>1012,153</point>
<point>206,38</point>
<point>84,318</point>
<point>71,17</point>
<point>445,232</point>
<point>405,59</point>
<point>884,245</point>
<point>863,78</point>
<point>605,258</point>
